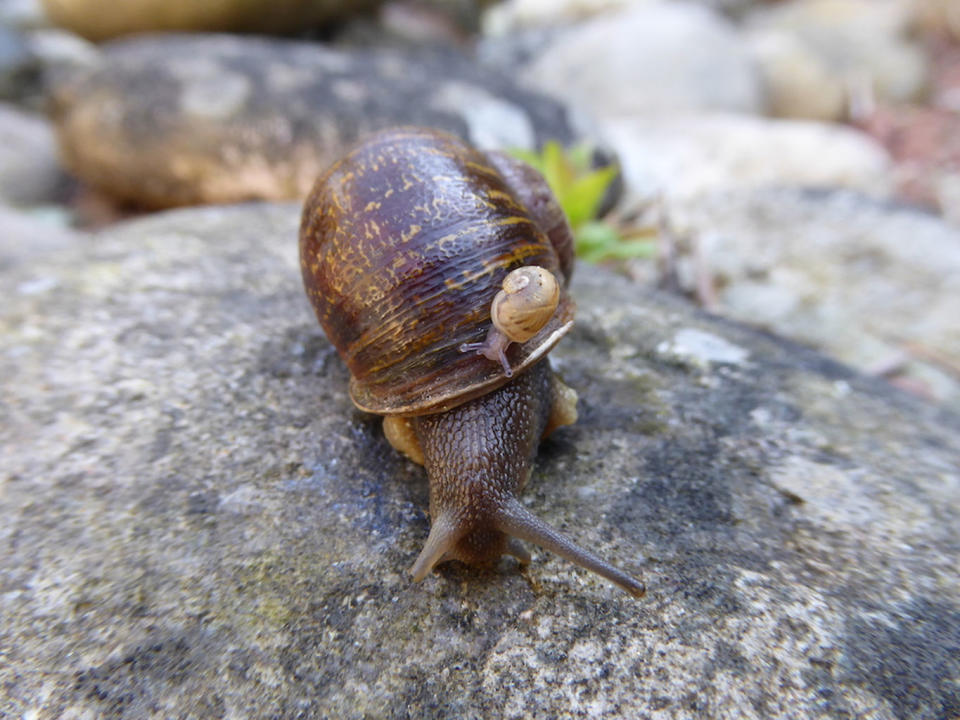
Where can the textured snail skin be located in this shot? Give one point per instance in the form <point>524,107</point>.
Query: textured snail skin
<point>478,457</point>
<point>404,243</point>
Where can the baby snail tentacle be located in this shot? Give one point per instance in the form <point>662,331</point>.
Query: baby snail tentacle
<point>519,311</point>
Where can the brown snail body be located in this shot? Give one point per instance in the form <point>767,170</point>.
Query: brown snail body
<point>417,250</point>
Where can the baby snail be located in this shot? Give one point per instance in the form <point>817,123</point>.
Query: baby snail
<point>440,273</point>
<point>526,303</point>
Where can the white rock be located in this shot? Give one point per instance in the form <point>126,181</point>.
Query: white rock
<point>864,43</point>
<point>514,15</point>
<point>22,14</point>
<point>651,57</point>
<point>682,157</point>
<point>703,348</point>
<point>57,48</point>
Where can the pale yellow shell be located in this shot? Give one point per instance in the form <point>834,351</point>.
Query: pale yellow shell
<point>527,302</point>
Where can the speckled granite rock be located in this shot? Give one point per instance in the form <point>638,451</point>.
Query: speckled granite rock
<point>87,17</point>
<point>196,524</point>
<point>175,120</point>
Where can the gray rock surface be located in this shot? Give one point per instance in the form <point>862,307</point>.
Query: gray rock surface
<point>30,51</point>
<point>18,66</point>
<point>30,173</point>
<point>198,525</point>
<point>59,51</point>
<point>191,119</point>
<point>25,236</point>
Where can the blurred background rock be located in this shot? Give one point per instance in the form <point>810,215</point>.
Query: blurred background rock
<point>92,20</point>
<point>692,100</point>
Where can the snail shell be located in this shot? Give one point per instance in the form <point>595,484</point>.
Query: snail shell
<point>528,300</point>
<point>405,242</point>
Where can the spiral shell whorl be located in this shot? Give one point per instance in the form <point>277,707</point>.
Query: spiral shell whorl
<point>404,244</point>
<point>526,303</point>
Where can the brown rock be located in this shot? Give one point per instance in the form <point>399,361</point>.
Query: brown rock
<point>941,16</point>
<point>797,82</point>
<point>92,20</point>
<point>172,120</point>
<point>862,43</point>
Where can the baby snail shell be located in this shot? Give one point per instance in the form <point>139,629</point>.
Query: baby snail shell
<point>417,249</point>
<point>526,303</point>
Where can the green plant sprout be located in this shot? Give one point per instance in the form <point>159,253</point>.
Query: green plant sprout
<point>579,188</point>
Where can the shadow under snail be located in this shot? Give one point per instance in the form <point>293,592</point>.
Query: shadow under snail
<point>440,275</point>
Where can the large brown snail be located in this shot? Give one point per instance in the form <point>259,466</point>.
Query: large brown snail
<point>440,275</point>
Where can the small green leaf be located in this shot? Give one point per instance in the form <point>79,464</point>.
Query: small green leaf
<point>594,238</point>
<point>557,169</point>
<point>580,157</point>
<point>530,157</point>
<point>580,189</point>
<point>586,194</point>
<point>628,249</point>
<point>599,241</point>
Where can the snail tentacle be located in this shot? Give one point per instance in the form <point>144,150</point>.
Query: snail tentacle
<point>515,520</point>
<point>444,534</point>
<point>494,347</point>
